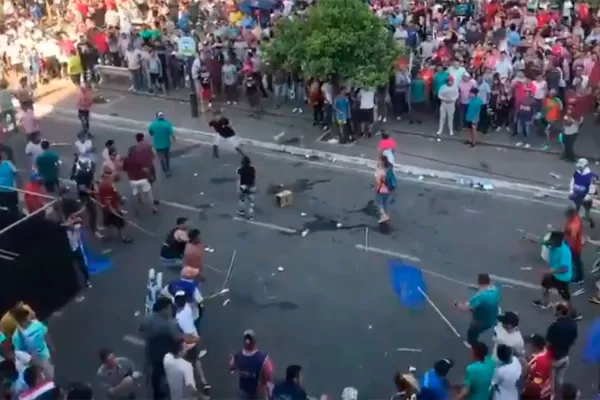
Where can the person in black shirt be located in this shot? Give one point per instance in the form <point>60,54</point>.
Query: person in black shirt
<point>226,135</point>
<point>251,86</point>
<point>560,337</point>
<point>290,388</point>
<point>247,188</point>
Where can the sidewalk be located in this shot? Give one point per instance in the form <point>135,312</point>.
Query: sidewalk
<point>485,162</point>
<point>588,143</point>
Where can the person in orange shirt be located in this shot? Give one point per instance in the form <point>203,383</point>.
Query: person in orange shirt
<point>573,231</point>
<point>552,109</point>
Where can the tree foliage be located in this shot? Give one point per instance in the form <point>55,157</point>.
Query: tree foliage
<point>341,38</point>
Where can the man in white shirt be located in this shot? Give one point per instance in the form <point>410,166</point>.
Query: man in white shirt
<point>367,104</point>
<point>180,374</point>
<point>133,57</point>
<point>507,375</point>
<point>507,333</point>
<point>504,66</point>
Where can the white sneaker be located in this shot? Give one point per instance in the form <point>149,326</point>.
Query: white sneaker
<point>519,144</point>
<point>384,120</point>
<point>451,133</point>
<point>527,145</point>
<point>439,133</point>
<point>299,111</point>
<point>398,118</point>
<point>228,103</point>
<point>235,103</point>
<point>294,111</point>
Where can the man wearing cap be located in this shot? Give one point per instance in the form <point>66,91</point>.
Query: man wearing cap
<point>582,188</point>
<point>434,383</point>
<point>163,136</point>
<point>507,333</point>
<point>254,367</point>
<point>537,384</point>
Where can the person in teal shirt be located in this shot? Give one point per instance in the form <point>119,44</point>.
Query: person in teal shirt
<point>31,337</point>
<point>163,136</point>
<point>439,79</point>
<point>478,374</point>
<point>472,115</point>
<point>47,165</point>
<point>417,99</point>
<point>560,271</point>
<point>9,198</point>
<point>484,306</point>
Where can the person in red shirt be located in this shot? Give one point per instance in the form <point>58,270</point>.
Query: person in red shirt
<point>84,105</point>
<point>538,372</point>
<point>112,204</point>
<point>34,199</point>
<point>139,175</point>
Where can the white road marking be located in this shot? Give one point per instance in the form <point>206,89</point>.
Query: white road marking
<point>442,316</point>
<point>181,206</point>
<point>388,253</point>
<point>407,350</point>
<point>508,282</point>
<point>364,170</point>
<point>134,340</point>
<point>267,225</point>
<point>472,211</point>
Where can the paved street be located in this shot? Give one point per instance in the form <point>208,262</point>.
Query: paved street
<point>490,162</point>
<point>332,308</point>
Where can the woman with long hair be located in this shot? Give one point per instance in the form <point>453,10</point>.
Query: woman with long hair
<point>385,183</point>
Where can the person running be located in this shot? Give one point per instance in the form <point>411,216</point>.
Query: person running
<point>559,274</point>
<point>163,137</point>
<point>226,135</point>
<point>84,106</point>
<point>112,204</point>
<point>139,180</point>
<point>173,248</point>
<point>573,231</point>
<point>582,188</point>
<point>247,188</point>
<point>385,183</point>
<point>484,306</point>
<point>254,367</point>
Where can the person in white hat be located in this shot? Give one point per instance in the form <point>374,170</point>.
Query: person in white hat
<point>582,188</point>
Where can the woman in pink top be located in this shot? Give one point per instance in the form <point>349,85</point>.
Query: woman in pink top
<point>383,190</point>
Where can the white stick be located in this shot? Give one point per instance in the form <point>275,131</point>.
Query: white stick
<point>28,192</point>
<point>366,238</point>
<point>213,296</point>
<point>229,270</point>
<point>25,218</point>
<point>442,316</point>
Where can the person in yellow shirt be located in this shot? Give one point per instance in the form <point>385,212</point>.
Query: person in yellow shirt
<point>8,324</point>
<point>74,68</point>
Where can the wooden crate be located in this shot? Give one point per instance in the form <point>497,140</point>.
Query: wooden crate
<point>285,198</point>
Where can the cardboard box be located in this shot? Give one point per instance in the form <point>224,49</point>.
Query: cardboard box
<point>284,198</point>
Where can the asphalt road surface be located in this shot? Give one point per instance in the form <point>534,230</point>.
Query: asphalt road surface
<point>323,300</point>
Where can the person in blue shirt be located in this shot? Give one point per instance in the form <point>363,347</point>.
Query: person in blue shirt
<point>473,115</point>
<point>9,198</point>
<point>513,37</point>
<point>417,99</point>
<point>290,388</point>
<point>341,106</point>
<point>559,273</point>
<point>434,384</point>
<point>163,136</point>
<point>484,306</point>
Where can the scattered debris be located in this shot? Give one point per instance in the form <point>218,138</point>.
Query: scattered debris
<point>280,269</point>
<point>202,353</point>
<point>526,268</point>
<point>304,233</point>
<point>438,140</point>
<point>79,299</point>
<point>279,136</point>
<point>421,177</point>
<point>412,369</point>
<point>106,251</point>
<point>195,174</point>
<point>201,193</point>
<point>578,292</point>
<point>227,301</point>
<point>338,225</point>
<point>273,274</point>
<point>554,175</point>
<point>370,326</point>
<point>209,249</point>
<point>549,226</point>
<point>333,141</point>
<point>408,350</point>
<point>303,214</point>
<point>540,195</point>
<point>137,314</point>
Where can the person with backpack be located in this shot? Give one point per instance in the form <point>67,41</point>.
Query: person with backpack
<point>385,183</point>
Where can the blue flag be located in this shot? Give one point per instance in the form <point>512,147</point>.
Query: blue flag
<point>591,351</point>
<point>96,263</point>
<point>408,283</point>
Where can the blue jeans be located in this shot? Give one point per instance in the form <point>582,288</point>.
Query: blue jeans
<point>137,79</point>
<point>524,126</point>
<point>384,200</point>
<point>476,328</point>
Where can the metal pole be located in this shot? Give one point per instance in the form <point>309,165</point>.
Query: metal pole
<point>28,192</point>
<point>27,217</point>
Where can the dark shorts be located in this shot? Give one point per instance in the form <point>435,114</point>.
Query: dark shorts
<point>470,124</point>
<point>366,116</point>
<point>550,282</point>
<point>111,219</point>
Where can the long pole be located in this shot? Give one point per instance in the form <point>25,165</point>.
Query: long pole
<point>28,192</point>
<point>25,218</point>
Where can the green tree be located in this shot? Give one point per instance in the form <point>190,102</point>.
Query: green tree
<point>339,38</point>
